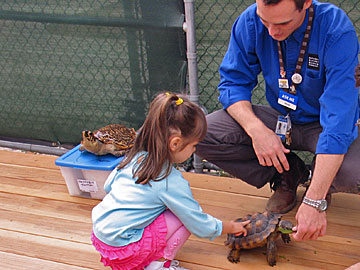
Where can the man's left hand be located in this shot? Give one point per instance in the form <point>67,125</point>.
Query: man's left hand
<point>311,223</point>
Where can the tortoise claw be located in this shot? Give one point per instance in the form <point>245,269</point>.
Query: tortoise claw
<point>286,238</point>
<point>234,256</point>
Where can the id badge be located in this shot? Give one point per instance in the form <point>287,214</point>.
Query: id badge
<point>281,126</point>
<point>288,100</point>
<point>283,83</point>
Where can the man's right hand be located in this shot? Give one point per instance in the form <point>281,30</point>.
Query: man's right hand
<point>269,149</point>
<point>267,145</point>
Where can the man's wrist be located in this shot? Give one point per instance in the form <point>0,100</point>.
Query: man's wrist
<point>320,205</point>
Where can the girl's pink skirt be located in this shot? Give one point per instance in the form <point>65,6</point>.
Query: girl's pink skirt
<point>135,255</point>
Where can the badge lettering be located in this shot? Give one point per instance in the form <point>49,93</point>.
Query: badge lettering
<point>287,100</point>
<point>313,61</point>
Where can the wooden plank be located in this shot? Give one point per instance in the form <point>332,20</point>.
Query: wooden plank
<point>231,185</point>
<point>234,185</point>
<point>46,207</point>
<point>41,190</point>
<point>205,254</point>
<point>37,215</point>
<point>42,175</point>
<point>197,252</point>
<point>51,227</point>
<point>35,225</point>
<point>227,184</point>
<point>50,249</point>
<point>28,159</point>
<point>79,231</point>
<point>241,204</point>
<point>11,261</point>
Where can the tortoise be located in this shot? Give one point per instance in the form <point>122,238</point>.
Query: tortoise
<point>263,229</point>
<point>115,139</point>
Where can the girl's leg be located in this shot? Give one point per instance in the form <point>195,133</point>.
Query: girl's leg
<point>176,236</point>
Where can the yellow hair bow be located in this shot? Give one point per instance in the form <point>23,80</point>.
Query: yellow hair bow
<point>179,101</point>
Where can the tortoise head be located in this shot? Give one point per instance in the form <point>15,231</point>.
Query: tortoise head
<point>87,135</point>
<point>89,141</point>
<point>285,227</point>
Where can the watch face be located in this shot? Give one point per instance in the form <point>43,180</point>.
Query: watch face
<point>323,205</point>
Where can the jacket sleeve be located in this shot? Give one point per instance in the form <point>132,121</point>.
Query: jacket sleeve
<point>179,199</point>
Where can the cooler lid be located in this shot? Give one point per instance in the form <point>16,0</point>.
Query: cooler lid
<point>86,160</point>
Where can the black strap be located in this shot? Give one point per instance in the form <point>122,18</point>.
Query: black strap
<point>300,60</point>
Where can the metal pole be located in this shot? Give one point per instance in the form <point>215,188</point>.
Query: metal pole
<point>189,28</point>
<point>34,148</point>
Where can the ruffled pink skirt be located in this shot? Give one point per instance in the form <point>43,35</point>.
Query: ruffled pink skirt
<point>135,256</point>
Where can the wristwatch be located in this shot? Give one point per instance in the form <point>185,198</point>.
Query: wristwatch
<point>320,205</point>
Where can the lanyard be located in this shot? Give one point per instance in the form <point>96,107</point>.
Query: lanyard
<point>296,78</point>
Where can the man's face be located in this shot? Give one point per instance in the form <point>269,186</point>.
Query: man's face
<point>281,19</point>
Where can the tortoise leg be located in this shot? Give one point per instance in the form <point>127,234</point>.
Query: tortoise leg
<point>234,256</point>
<point>271,249</point>
<point>285,237</point>
<point>118,153</point>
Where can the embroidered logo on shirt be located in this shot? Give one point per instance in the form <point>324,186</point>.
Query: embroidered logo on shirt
<point>313,61</point>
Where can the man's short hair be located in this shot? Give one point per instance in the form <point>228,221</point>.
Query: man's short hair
<point>298,3</point>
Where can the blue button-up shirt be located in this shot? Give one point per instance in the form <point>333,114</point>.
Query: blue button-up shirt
<point>327,92</point>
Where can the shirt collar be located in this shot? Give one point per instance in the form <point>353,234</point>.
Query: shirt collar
<point>298,34</point>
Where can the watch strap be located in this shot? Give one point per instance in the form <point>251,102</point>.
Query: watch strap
<point>314,203</point>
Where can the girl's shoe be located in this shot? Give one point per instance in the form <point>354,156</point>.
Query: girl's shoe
<point>174,265</point>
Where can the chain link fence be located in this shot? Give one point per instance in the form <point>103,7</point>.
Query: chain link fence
<point>71,65</point>
<point>214,20</point>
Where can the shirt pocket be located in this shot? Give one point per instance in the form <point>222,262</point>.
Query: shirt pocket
<point>313,87</point>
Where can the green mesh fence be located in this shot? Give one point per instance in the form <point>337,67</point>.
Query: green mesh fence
<point>214,20</point>
<point>71,65</point>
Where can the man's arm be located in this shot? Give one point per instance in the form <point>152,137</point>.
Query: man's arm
<point>310,222</point>
<point>267,145</point>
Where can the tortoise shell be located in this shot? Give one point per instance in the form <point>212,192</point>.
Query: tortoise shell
<point>260,227</point>
<point>114,139</point>
<point>117,134</point>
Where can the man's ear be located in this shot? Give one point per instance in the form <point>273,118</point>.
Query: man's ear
<point>175,143</point>
<point>307,4</point>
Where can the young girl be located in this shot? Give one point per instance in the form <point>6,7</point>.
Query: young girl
<point>149,211</point>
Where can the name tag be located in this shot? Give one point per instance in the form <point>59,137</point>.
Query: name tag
<point>288,100</point>
<point>281,126</point>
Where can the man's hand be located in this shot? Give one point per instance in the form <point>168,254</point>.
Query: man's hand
<point>269,150</point>
<point>267,145</point>
<point>311,224</point>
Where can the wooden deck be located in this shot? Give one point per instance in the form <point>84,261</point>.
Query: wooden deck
<point>42,227</point>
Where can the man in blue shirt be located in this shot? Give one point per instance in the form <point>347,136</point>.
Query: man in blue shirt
<point>307,52</point>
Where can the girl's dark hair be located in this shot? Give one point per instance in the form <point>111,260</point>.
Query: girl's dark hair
<point>298,3</point>
<point>168,114</point>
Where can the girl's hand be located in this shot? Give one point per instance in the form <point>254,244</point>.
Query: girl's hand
<point>239,228</point>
